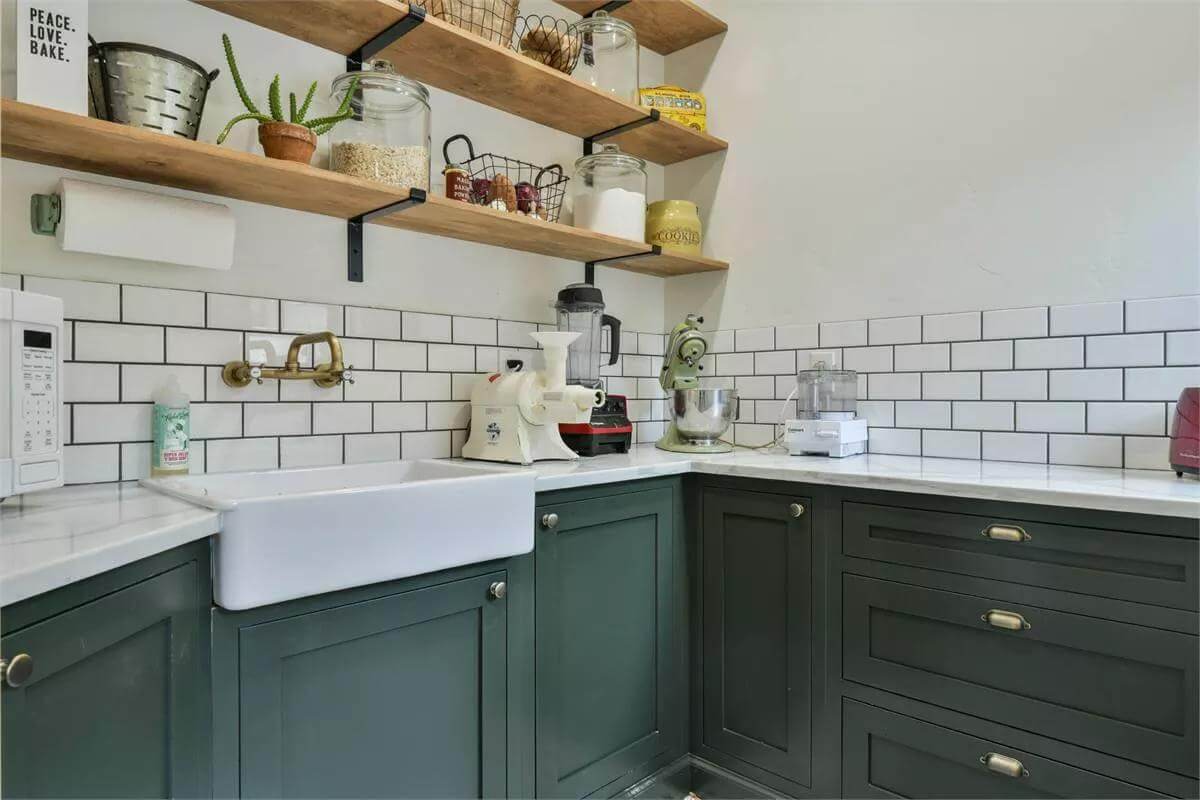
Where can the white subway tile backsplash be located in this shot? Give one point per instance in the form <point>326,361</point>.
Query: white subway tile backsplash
<point>772,411</point>
<point>958,327</point>
<point>749,434</point>
<point>163,306</point>
<point>309,392</point>
<point>91,463</point>
<point>950,386</point>
<point>894,441</point>
<point>453,415</point>
<point>310,451</point>
<point>377,323</point>
<point>755,388</point>
<point>391,417</point>
<point>981,355</point>
<point>894,330</point>
<point>878,413</point>
<point>278,419</point>
<point>407,356</point>
<point>236,455</point>
<point>718,342</point>
<point>461,386</point>
<point>1051,417</point>
<point>1026,447</point>
<point>1048,353</point>
<point>451,358</point>
<point>844,334</point>
<point>9,280</point>
<point>243,313</point>
<point>140,382</point>
<point>1183,348</point>
<point>796,337</point>
<point>1146,452</point>
<point>1126,350</point>
<point>194,346</point>
<point>628,387</point>
<point>1162,314</point>
<point>776,362</point>
<point>425,444</point>
<point>1085,451</point>
<point>922,357</point>
<point>648,432</point>
<point>1085,318</point>
<point>1016,323</point>
<point>649,388</point>
<point>515,334</point>
<point>425,386</point>
<point>867,359</point>
<point>1016,385</point>
<point>81,299</point>
<point>99,341</point>
<point>363,448</point>
<point>1140,419</point>
<point>639,366</point>
<point>215,389</point>
<point>950,444</point>
<point>297,317</point>
<point>734,364</point>
<point>217,420</point>
<point>377,385</point>
<point>473,330</point>
<point>1159,383</point>
<point>988,415</point>
<point>1085,384</point>
<point>341,418</point>
<point>426,327</point>
<point>115,422</point>
<point>135,459</point>
<point>91,383</point>
<point>651,344</point>
<point>487,359</point>
<point>861,391</point>
<point>894,386</point>
<point>746,339</point>
<point>922,414</point>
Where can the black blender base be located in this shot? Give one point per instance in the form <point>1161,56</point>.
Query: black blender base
<point>597,444</point>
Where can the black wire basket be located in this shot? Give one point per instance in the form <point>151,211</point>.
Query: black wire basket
<point>548,40</point>
<point>493,20</point>
<point>507,184</point>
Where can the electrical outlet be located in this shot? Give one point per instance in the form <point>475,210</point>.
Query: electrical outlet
<point>829,357</point>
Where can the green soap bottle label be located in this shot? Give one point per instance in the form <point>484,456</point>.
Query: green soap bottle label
<point>172,434</point>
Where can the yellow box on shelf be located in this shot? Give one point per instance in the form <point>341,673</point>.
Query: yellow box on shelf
<point>677,104</point>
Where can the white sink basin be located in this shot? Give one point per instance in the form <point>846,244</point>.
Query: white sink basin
<point>295,533</point>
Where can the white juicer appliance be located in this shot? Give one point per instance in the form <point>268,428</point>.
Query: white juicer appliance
<point>827,421</point>
<point>515,414</point>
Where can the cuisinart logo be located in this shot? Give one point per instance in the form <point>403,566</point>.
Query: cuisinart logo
<point>52,53</point>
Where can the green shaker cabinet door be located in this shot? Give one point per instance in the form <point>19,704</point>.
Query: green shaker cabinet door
<point>117,702</point>
<point>401,696</point>
<point>757,628</point>
<point>605,633</point>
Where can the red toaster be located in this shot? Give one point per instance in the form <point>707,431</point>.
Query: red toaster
<point>1185,433</point>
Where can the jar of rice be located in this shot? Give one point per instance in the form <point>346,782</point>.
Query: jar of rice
<point>387,140</point>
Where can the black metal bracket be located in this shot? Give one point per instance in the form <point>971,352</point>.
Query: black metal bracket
<point>589,269</point>
<point>414,17</point>
<point>354,231</point>
<point>608,7</point>
<point>590,141</point>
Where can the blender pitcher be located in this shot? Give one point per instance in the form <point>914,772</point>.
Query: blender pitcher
<point>580,309</point>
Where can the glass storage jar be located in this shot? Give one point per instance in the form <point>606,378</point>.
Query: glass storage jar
<point>608,57</point>
<point>610,193</point>
<point>387,139</point>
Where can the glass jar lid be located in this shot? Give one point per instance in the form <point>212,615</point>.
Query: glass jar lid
<point>601,23</point>
<point>610,157</point>
<point>388,92</point>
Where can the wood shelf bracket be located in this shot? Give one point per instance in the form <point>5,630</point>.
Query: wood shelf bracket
<point>354,232</point>
<point>589,269</point>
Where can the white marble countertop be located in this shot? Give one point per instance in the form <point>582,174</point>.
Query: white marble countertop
<point>50,539</point>
<point>54,538</point>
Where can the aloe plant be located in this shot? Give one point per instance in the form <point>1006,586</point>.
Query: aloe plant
<point>296,113</point>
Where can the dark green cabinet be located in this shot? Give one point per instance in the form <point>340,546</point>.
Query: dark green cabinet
<point>118,701</point>
<point>758,635</point>
<point>611,690</point>
<point>399,696</point>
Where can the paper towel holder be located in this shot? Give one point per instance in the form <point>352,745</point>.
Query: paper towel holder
<point>45,212</point>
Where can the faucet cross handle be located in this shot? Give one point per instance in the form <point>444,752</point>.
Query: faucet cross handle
<point>348,374</point>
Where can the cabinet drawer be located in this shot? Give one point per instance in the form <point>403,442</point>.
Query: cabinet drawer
<point>1118,688</point>
<point>1160,570</point>
<point>890,755</point>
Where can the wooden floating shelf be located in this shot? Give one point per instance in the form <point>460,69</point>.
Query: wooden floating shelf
<point>450,58</point>
<point>46,136</point>
<point>662,25</point>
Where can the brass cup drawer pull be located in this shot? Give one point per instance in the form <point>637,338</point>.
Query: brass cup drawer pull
<point>1004,765</point>
<point>1006,533</point>
<point>1007,620</point>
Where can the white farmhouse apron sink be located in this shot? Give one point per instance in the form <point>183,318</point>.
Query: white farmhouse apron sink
<point>300,532</point>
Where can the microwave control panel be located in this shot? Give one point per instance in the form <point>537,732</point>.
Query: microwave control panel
<point>37,403</point>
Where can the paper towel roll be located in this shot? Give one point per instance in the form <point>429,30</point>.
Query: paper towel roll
<point>120,222</point>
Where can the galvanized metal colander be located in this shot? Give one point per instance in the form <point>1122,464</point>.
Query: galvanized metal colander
<point>146,87</point>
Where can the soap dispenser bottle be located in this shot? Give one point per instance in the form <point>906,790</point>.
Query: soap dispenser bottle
<point>172,430</point>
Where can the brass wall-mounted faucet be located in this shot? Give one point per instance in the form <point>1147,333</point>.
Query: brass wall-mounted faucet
<point>240,373</point>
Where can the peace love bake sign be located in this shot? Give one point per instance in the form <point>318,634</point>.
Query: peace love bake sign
<point>52,53</point>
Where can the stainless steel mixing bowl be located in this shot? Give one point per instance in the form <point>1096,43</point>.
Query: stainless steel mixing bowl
<point>703,415</point>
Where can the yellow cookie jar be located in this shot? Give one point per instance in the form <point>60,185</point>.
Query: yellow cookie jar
<point>674,225</point>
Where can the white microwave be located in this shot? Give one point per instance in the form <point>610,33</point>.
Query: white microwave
<point>31,355</point>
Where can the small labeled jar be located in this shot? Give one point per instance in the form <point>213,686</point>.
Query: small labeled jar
<point>387,140</point>
<point>674,225</point>
<point>608,57</point>
<point>610,193</point>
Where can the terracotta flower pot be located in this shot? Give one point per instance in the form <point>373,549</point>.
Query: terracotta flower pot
<point>287,141</point>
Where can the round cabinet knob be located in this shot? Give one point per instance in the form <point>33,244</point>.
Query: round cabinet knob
<point>497,590</point>
<point>796,509</point>
<point>549,520</point>
<point>17,670</point>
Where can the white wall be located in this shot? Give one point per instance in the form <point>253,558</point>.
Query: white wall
<point>911,157</point>
<point>302,256</point>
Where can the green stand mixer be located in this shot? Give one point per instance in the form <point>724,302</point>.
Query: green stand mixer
<point>699,417</point>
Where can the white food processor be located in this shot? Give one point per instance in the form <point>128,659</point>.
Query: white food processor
<point>827,421</point>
